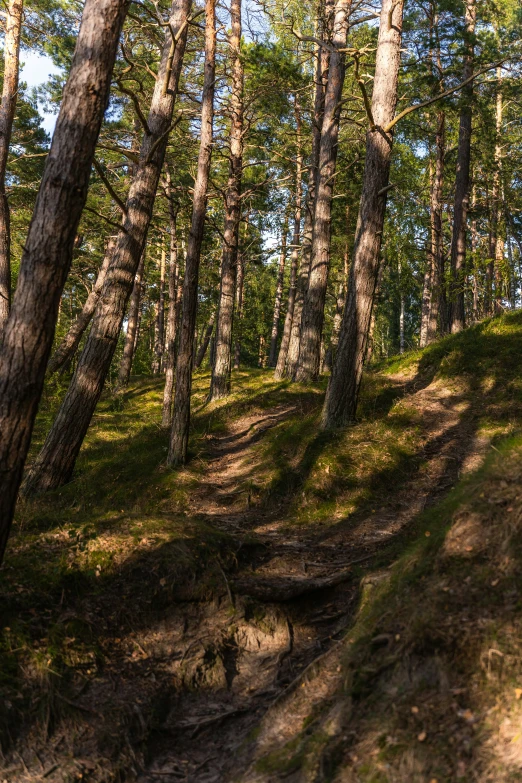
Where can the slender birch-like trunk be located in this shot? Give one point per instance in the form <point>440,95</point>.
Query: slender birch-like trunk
<point>13,30</point>
<point>343,389</point>
<point>159,331</point>
<point>312,318</point>
<point>172,319</point>
<point>55,463</point>
<point>462,182</point>
<point>222,364</point>
<point>272,358</point>
<point>181,414</point>
<point>48,250</point>
<point>239,309</point>
<point>131,336</point>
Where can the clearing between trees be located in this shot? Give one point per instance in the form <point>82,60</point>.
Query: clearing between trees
<point>289,605</point>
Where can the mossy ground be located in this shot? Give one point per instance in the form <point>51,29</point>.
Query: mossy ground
<point>122,536</point>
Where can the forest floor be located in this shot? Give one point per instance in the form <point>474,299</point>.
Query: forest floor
<point>290,605</point>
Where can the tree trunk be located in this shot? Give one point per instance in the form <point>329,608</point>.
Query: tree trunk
<point>462,182</point>
<point>321,77</point>
<point>294,258</point>
<point>497,243</point>
<point>312,318</point>
<point>13,28</point>
<point>272,359</point>
<point>172,317</point>
<point>239,309</point>
<point>131,337</point>
<point>69,345</point>
<point>29,331</point>
<point>159,333</point>
<point>222,365</point>
<point>200,355</point>
<point>55,463</point>
<point>339,304</point>
<point>181,417</point>
<point>438,290</point>
<point>343,390</point>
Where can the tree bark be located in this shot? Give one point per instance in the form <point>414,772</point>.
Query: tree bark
<point>131,337</point>
<point>55,463</point>
<point>207,335</point>
<point>343,390</point>
<point>294,258</point>
<point>339,304</point>
<point>48,250</point>
<point>159,332</point>
<point>13,29</point>
<point>172,316</point>
<point>69,345</point>
<point>312,318</point>
<point>497,243</point>
<point>222,365</point>
<point>272,359</point>
<point>438,305</point>
<point>239,309</point>
<point>321,78</point>
<point>181,416</point>
<point>462,182</point>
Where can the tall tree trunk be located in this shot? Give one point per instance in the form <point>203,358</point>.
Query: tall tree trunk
<point>312,318</point>
<point>159,342</point>
<point>438,290</point>
<point>339,303</point>
<point>13,29</point>
<point>172,322</point>
<point>69,345</point>
<point>131,337</point>
<point>497,244</point>
<point>462,182</point>
<point>239,309</point>
<point>343,390</point>
<point>321,78</point>
<point>55,463</point>
<point>294,257</point>
<point>272,359</point>
<point>29,331</point>
<point>222,365</point>
<point>181,416</point>
<point>205,340</point>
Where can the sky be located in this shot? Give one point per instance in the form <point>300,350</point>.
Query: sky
<point>36,70</point>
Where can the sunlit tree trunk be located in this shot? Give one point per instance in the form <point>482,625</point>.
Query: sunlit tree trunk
<point>272,359</point>
<point>13,28</point>
<point>294,256</point>
<point>343,390</point>
<point>159,332</point>
<point>181,413</point>
<point>497,242</point>
<point>222,365</point>
<point>172,316</point>
<point>48,249</point>
<point>55,463</point>
<point>312,318</point>
<point>321,77</point>
<point>239,310</point>
<point>462,181</point>
<point>131,336</point>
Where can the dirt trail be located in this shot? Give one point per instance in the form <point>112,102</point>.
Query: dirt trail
<point>290,601</point>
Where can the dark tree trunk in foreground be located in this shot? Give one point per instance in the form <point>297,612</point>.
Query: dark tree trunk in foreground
<point>239,310</point>
<point>321,77</point>
<point>205,341</point>
<point>172,320</point>
<point>48,250</point>
<point>69,345</point>
<point>55,463</point>
<point>462,181</point>
<point>159,331</point>
<point>222,365</point>
<point>294,259</point>
<point>181,414</point>
<point>343,390</point>
<point>272,358</point>
<point>131,337</point>
<point>13,28</point>
<point>312,318</point>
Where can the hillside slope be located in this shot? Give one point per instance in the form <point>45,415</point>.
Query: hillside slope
<point>290,605</point>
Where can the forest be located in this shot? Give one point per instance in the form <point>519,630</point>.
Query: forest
<point>261,391</point>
